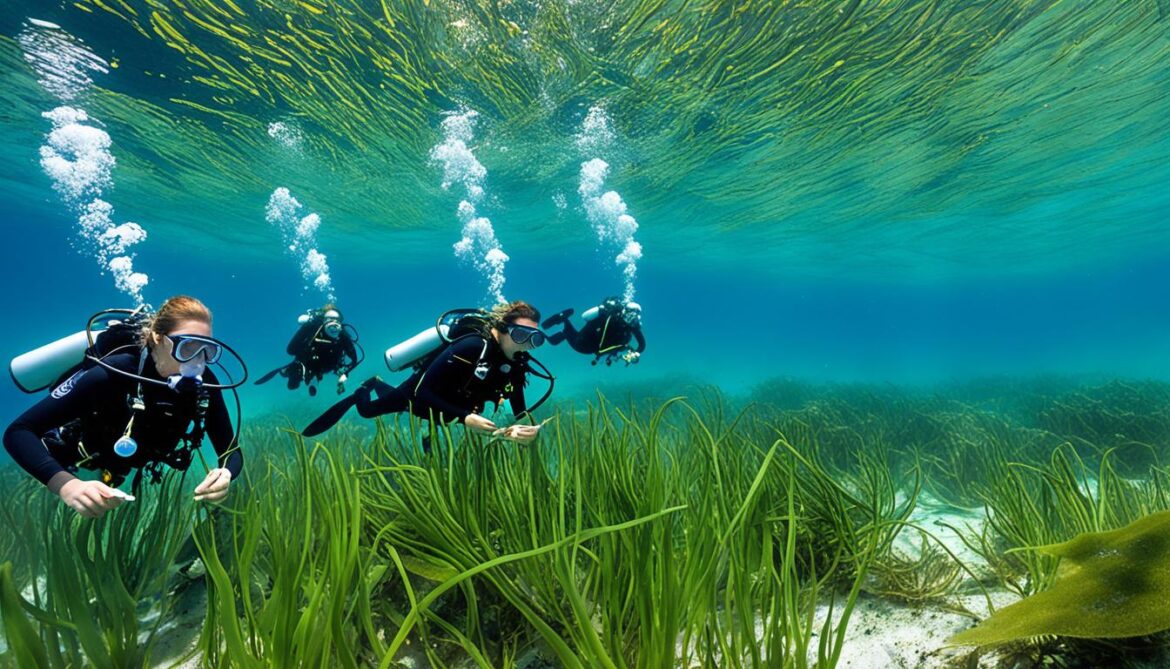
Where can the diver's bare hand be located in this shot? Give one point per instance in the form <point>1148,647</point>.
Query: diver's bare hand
<point>91,499</point>
<point>215,487</point>
<point>478,423</point>
<point>519,433</point>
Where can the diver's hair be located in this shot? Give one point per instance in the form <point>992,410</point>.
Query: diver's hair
<point>174,311</point>
<point>510,311</point>
<point>330,305</point>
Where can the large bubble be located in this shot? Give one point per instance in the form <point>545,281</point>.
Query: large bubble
<point>606,211</point>
<point>478,245</point>
<point>300,239</point>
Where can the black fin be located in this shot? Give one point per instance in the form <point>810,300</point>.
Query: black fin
<point>557,318</point>
<point>331,417</point>
<point>269,376</point>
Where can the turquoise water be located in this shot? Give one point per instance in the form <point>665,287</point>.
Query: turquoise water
<point>911,193</point>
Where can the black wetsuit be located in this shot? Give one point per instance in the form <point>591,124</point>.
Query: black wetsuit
<point>91,409</point>
<point>468,375</point>
<point>316,354</point>
<point>607,333</point>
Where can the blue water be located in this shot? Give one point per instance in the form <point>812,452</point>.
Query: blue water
<point>732,330</point>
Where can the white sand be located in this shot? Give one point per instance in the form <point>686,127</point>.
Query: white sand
<point>885,634</point>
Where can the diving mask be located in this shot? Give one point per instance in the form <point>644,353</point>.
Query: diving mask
<point>523,334</point>
<point>187,347</point>
<point>632,313</point>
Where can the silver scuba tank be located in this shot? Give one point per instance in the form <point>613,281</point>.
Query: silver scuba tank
<point>449,325</point>
<point>39,368</point>
<point>404,354</point>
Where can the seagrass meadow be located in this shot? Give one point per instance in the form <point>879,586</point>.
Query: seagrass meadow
<point>901,268</point>
<point>704,531</point>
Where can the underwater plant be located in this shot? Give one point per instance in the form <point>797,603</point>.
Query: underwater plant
<point>103,595</point>
<point>1031,505</point>
<point>638,534</point>
<point>1110,585</point>
<point>624,541</point>
<point>289,580</point>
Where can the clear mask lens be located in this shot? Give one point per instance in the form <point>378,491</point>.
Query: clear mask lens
<point>188,347</point>
<point>521,334</point>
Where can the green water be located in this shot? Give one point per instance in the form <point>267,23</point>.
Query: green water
<point>871,138</point>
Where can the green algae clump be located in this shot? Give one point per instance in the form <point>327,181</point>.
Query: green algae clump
<point>1109,585</point>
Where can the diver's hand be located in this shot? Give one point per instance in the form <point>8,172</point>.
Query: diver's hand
<point>519,433</point>
<point>91,499</point>
<point>215,487</point>
<point>341,383</point>
<point>478,423</point>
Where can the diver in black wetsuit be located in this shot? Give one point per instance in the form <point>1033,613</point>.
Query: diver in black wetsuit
<point>132,411</point>
<point>607,331</point>
<point>473,371</point>
<point>322,344</point>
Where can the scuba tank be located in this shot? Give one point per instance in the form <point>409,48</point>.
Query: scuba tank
<point>612,305</point>
<point>418,351</point>
<point>414,351</point>
<point>47,365</point>
<point>39,368</point>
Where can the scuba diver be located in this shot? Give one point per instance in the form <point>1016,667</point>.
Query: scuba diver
<point>485,360</point>
<point>323,344</point>
<point>141,397</point>
<point>606,333</point>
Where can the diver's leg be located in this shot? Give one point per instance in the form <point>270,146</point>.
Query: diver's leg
<point>569,332</point>
<point>577,339</point>
<point>296,371</point>
<point>335,413</point>
<point>389,399</point>
<point>559,317</point>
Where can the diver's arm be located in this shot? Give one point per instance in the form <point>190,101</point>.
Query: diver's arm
<point>22,439</point>
<point>350,352</point>
<point>303,337</point>
<point>516,399</point>
<point>641,340</point>
<point>451,368</point>
<point>520,432</point>
<point>219,428</point>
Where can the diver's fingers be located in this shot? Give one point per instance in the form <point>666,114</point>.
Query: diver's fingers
<point>211,477</point>
<point>218,496</point>
<point>217,480</point>
<point>221,482</point>
<point>215,487</point>
<point>106,491</point>
<point>93,501</point>
<point>213,496</point>
<point>83,507</point>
